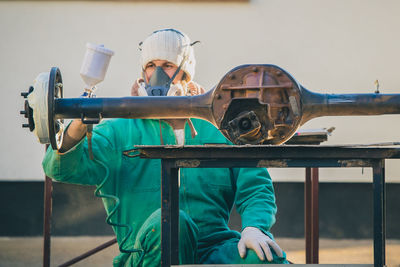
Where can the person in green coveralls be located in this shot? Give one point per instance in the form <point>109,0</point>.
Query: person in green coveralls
<point>206,195</point>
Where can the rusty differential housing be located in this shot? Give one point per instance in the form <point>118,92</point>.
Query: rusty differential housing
<point>257,104</point>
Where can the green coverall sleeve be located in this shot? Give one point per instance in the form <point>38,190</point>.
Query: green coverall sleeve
<point>255,198</point>
<point>76,167</point>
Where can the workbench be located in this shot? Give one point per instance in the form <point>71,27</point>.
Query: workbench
<point>292,156</point>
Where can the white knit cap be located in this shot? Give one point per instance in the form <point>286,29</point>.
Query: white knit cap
<point>171,45</point>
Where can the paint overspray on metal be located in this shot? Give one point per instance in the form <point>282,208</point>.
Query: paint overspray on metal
<point>184,163</point>
<point>355,163</point>
<point>272,163</point>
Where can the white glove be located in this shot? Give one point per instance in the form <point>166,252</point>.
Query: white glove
<point>256,240</point>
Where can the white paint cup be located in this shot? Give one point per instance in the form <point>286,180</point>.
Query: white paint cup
<point>95,64</point>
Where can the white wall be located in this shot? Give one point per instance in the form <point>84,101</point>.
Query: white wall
<point>338,46</point>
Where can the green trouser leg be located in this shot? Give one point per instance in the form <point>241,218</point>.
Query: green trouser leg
<point>149,239</point>
<point>227,253</point>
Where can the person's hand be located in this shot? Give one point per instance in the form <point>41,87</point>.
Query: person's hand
<point>194,89</point>
<point>135,87</point>
<point>256,240</point>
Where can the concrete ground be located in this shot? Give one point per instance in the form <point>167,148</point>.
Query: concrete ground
<point>23,251</point>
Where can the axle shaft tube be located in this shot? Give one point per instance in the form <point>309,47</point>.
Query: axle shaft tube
<point>319,105</point>
<point>135,107</point>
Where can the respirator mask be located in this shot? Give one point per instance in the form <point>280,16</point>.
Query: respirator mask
<point>160,83</point>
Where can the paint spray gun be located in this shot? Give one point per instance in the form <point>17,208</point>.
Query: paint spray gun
<point>93,70</point>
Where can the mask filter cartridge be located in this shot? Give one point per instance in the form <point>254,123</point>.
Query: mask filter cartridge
<point>159,83</point>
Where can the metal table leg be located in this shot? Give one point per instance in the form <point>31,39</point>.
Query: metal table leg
<point>169,214</point>
<point>315,215</point>
<point>48,191</point>
<point>379,213</point>
<point>307,214</point>
<point>311,215</point>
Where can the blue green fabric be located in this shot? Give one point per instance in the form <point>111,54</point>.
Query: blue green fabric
<point>207,195</point>
<point>149,240</point>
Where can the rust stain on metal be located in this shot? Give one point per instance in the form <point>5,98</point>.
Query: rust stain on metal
<point>131,153</point>
<point>354,163</point>
<point>194,163</point>
<point>272,163</point>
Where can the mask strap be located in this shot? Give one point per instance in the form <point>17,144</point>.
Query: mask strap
<point>182,62</point>
<point>177,70</point>
<point>144,76</point>
<point>173,76</point>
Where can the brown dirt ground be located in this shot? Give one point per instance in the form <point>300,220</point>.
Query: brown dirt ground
<point>28,251</point>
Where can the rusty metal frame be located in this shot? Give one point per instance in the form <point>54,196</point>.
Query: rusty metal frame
<point>312,157</point>
<point>48,199</point>
<point>311,215</point>
<point>48,203</point>
<point>48,192</point>
<point>89,253</point>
